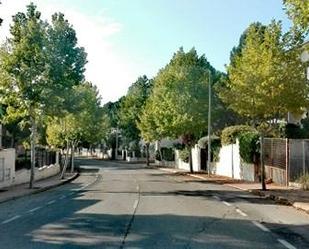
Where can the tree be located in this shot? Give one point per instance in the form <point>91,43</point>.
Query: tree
<point>265,79</point>
<point>85,123</point>
<point>236,51</point>
<point>25,64</point>
<point>298,12</point>
<point>131,107</point>
<point>65,63</point>
<point>178,105</point>
<point>42,63</point>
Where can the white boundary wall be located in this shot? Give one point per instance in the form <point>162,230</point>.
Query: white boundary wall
<point>12,177</point>
<point>7,167</point>
<point>231,165</point>
<point>229,161</point>
<point>196,160</point>
<point>23,176</point>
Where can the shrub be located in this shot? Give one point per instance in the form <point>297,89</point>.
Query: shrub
<point>304,181</point>
<point>22,163</point>
<point>179,146</point>
<point>293,131</point>
<point>168,154</point>
<point>215,149</point>
<point>248,146</point>
<point>158,156</point>
<point>229,134</point>
<point>184,154</point>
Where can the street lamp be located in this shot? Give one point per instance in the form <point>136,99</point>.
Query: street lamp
<point>209,121</point>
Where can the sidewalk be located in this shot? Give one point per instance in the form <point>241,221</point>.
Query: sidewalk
<point>17,191</point>
<point>297,198</point>
<point>283,195</point>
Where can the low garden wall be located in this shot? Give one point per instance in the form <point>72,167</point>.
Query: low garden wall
<point>23,176</point>
<point>231,165</point>
<point>7,167</point>
<point>10,177</point>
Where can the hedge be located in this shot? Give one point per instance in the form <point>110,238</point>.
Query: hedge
<point>184,154</point>
<point>248,146</point>
<point>168,154</point>
<point>229,134</point>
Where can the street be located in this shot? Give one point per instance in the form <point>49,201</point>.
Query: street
<point>118,205</point>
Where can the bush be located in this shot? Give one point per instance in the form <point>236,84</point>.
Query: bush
<point>22,163</point>
<point>184,154</point>
<point>158,156</point>
<point>229,134</point>
<point>179,146</point>
<point>168,154</point>
<point>248,146</point>
<point>293,131</point>
<point>215,149</point>
<point>304,181</point>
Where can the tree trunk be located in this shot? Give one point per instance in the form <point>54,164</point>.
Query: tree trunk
<point>190,160</point>
<point>147,154</point>
<point>72,157</point>
<point>160,151</point>
<point>32,138</point>
<point>65,162</point>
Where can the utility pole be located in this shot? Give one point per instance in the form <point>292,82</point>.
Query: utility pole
<point>262,161</point>
<point>209,122</point>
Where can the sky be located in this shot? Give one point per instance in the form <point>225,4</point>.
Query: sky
<point>125,39</point>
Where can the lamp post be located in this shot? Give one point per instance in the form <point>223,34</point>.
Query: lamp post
<point>209,121</point>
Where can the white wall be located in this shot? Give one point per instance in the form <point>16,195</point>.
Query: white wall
<point>23,176</point>
<point>196,160</point>
<point>229,161</point>
<point>7,173</point>
<point>230,164</point>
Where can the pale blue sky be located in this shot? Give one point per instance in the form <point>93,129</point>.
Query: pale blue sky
<point>128,38</point>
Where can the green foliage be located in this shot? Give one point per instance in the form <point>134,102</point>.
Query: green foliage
<point>168,154</point>
<point>263,75</point>
<point>215,149</point>
<point>184,154</point>
<point>237,50</point>
<point>86,125</point>
<point>179,146</point>
<point>293,131</point>
<point>248,145</point>
<point>178,104</point>
<point>229,134</point>
<point>298,11</point>
<point>131,107</point>
<point>304,181</point>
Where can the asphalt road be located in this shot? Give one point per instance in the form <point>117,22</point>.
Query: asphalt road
<point>114,205</point>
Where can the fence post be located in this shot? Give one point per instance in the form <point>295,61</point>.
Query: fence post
<point>287,162</point>
<point>304,157</point>
<point>262,162</point>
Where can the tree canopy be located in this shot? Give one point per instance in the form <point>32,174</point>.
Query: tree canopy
<point>265,79</point>
<point>131,107</point>
<point>178,105</point>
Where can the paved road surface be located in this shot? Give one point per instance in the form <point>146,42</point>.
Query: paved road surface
<point>114,205</point>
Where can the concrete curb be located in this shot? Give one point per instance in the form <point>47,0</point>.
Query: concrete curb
<point>277,198</point>
<point>36,191</point>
